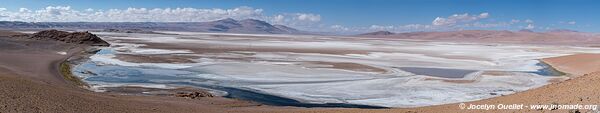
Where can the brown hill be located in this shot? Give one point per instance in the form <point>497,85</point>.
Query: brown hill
<point>85,38</point>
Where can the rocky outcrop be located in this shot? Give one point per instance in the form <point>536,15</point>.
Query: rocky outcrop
<point>194,94</point>
<point>85,38</point>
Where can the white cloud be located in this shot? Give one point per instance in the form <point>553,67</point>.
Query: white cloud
<point>417,26</point>
<point>278,19</point>
<point>458,18</point>
<point>89,9</point>
<point>491,25</point>
<point>68,14</point>
<point>379,27</point>
<point>24,10</point>
<point>514,21</point>
<point>568,22</point>
<point>308,17</point>
<point>299,20</point>
<point>398,28</point>
<point>530,26</point>
<point>339,28</point>
<point>454,22</point>
<point>484,15</point>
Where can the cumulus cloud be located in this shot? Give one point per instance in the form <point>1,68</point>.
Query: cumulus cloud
<point>278,18</point>
<point>379,27</point>
<point>530,26</point>
<point>568,22</point>
<point>458,18</point>
<point>339,28</point>
<point>463,21</point>
<point>24,10</point>
<point>514,21</point>
<point>68,14</point>
<point>456,21</point>
<point>308,17</point>
<point>402,28</point>
<point>297,20</point>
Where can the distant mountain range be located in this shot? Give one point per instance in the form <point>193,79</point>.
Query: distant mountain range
<point>250,26</point>
<point>377,33</point>
<point>559,36</point>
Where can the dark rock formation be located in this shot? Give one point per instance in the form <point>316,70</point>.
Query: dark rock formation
<point>194,94</point>
<point>85,38</point>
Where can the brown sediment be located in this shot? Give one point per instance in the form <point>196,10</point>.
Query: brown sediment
<point>452,80</point>
<point>556,80</point>
<point>211,48</point>
<point>497,73</point>
<point>347,66</point>
<point>460,81</point>
<point>584,64</point>
<point>4,33</point>
<point>160,58</point>
<point>252,38</point>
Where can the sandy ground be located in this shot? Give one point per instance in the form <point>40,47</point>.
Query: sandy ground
<point>30,82</point>
<point>584,64</point>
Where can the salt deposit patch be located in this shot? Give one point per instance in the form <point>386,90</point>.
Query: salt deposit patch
<point>403,92</point>
<point>108,59</point>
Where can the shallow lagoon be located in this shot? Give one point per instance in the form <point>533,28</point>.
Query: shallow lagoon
<point>412,78</point>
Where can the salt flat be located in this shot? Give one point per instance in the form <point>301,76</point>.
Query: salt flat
<point>327,69</point>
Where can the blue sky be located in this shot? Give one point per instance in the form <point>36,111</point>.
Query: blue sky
<point>369,15</point>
